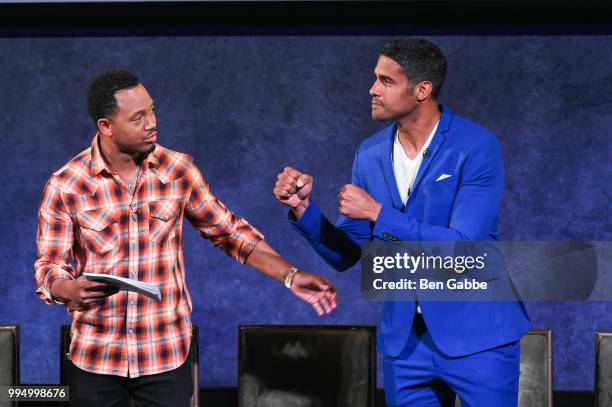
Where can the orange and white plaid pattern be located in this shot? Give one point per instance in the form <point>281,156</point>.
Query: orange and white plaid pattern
<point>86,224</point>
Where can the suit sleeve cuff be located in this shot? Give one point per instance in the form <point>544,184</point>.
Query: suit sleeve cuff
<point>395,225</point>
<point>309,224</point>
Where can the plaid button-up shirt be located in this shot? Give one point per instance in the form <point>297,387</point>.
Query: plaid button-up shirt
<point>86,224</point>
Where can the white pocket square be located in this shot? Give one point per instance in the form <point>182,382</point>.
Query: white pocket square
<point>443,176</point>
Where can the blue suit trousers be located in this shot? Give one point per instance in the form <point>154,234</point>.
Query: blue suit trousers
<point>423,376</point>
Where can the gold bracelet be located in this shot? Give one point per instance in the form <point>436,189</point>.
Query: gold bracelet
<point>289,276</point>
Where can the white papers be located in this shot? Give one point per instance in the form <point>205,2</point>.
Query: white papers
<point>126,284</point>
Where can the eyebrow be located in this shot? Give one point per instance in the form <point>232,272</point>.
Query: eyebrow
<point>152,105</point>
<point>385,77</point>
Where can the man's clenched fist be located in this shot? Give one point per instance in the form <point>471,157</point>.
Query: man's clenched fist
<point>293,189</point>
<point>356,203</point>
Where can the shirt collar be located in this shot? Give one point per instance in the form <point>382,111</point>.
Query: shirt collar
<point>98,164</point>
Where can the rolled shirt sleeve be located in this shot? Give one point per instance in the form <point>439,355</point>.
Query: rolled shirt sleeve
<point>54,242</point>
<point>214,221</point>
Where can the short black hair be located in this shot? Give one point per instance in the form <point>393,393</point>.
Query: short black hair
<point>420,59</point>
<point>101,100</point>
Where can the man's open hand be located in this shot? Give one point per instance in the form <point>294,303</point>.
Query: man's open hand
<point>316,291</point>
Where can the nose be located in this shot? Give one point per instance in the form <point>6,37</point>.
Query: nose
<point>374,90</point>
<point>151,121</point>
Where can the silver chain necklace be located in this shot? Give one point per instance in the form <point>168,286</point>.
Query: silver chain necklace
<point>131,189</point>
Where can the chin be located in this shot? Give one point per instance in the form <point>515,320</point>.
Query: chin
<point>144,150</point>
<point>380,117</point>
<point>148,150</point>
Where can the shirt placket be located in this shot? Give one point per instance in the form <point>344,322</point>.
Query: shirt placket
<point>133,268</point>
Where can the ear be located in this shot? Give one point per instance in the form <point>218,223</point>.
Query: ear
<point>105,126</point>
<point>423,91</point>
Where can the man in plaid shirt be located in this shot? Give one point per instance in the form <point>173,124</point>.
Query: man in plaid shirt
<point>118,208</point>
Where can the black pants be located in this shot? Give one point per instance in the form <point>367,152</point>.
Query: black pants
<point>167,389</point>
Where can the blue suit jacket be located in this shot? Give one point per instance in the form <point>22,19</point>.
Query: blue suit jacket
<point>464,206</point>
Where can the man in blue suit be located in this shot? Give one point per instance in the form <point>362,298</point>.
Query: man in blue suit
<point>429,176</point>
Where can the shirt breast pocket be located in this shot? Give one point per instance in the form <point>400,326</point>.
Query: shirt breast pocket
<point>98,229</point>
<point>162,220</point>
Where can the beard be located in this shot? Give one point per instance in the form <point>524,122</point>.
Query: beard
<point>143,156</point>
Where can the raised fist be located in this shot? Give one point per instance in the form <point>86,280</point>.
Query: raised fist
<point>293,188</point>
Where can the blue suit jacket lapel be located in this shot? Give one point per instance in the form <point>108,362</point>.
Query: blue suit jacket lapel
<point>386,154</point>
<point>434,148</point>
<point>386,150</point>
